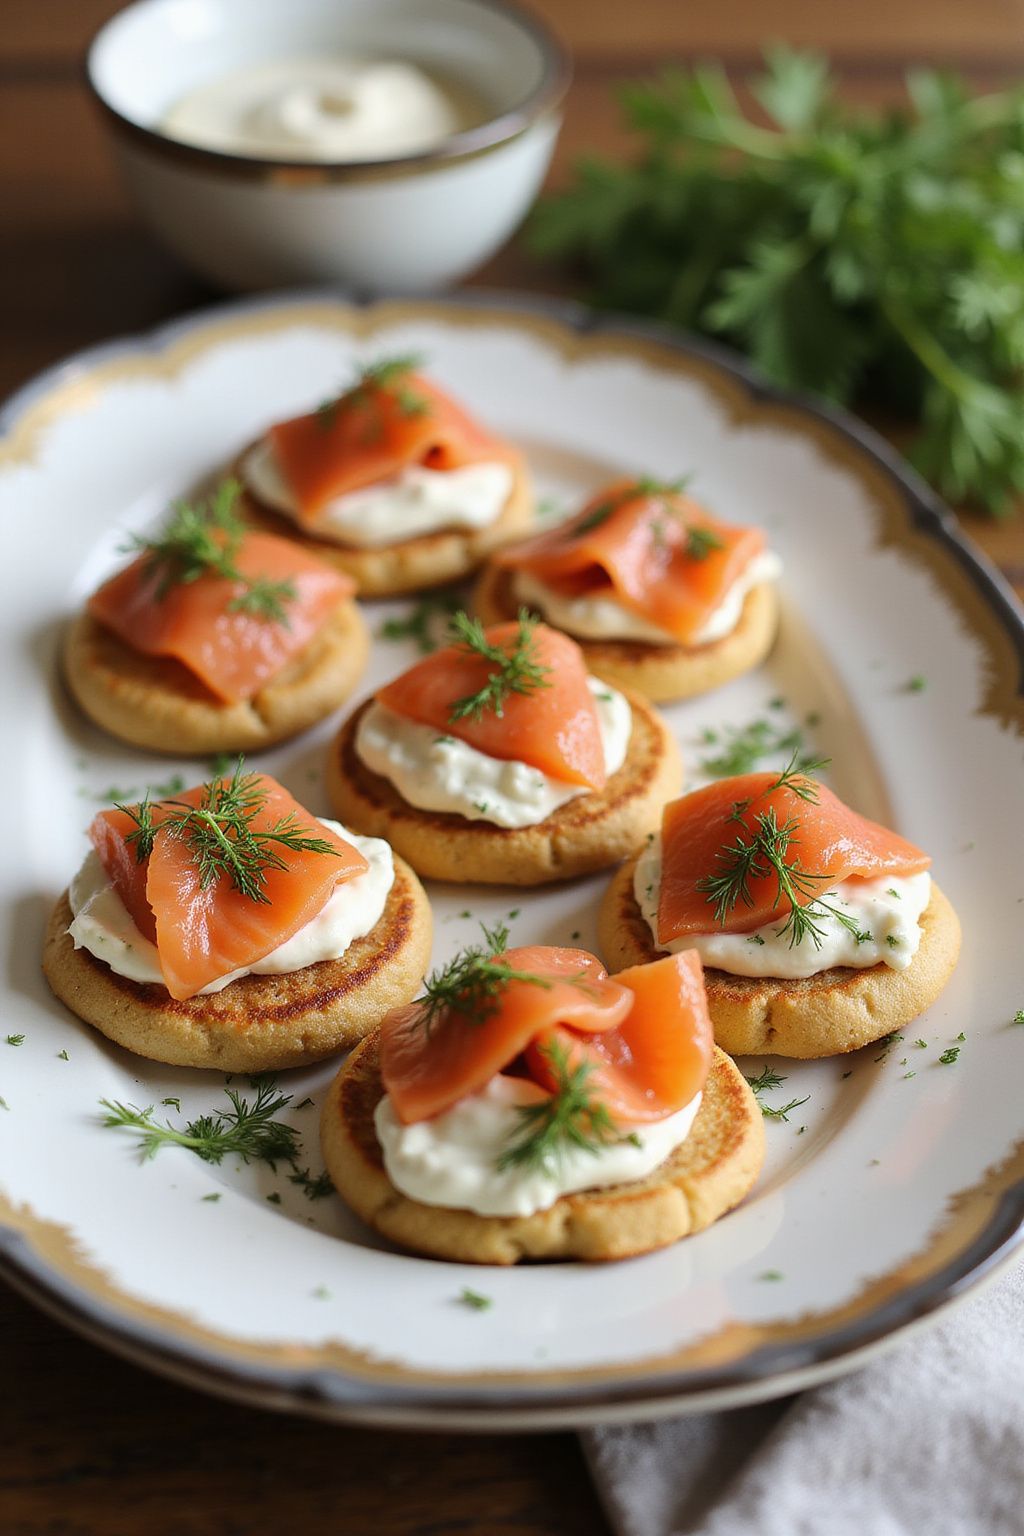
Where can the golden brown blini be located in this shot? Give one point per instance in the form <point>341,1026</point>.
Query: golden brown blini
<point>586,833</point>
<point>658,672</point>
<point>702,1179</point>
<point>388,570</point>
<point>836,1011</point>
<point>157,703</point>
<point>257,1023</point>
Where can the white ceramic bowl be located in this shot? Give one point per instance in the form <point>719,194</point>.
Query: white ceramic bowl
<point>412,223</point>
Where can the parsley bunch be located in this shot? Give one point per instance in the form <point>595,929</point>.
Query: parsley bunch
<point>846,253</point>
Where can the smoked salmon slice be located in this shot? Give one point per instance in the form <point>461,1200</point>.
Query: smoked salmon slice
<point>428,1065</point>
<point>234,653</point>
<point>703,836</point>
<point>205,929</point>
<point>655,552</point>
<point>552,726</point>
<point>644,1034</point>
<point>656,1060</point>
<point>391,420</point>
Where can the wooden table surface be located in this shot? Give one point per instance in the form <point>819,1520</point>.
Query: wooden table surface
<point>90,1446</point>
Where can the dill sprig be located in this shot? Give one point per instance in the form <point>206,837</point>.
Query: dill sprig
<point>761,1084</point>
<point>644,485</point>
<point>248,1130</point>
<point>221,836</point>
<point>201,538</point>
<point>511,671</point>
<point>569,1118</point>
<point>762,851</point>
<point>387,375</point>
<point>701,541</point>
<point>471,984</point>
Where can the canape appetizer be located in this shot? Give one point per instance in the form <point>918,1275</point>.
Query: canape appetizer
<point>227,927</point>
<point>499,759</point>
<point>215,638</point>
<point>820,930</point>
<point>531,1106</point>
<point>662,597</point>
<point>392,482</point>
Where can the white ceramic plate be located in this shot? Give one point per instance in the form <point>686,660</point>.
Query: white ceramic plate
<point>894,1186</point>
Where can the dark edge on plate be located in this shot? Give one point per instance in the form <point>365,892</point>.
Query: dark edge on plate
<point>766,1371</point>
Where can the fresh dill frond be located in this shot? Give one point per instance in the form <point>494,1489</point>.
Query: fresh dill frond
<point>248,1129</point>
<point>471,984</point>
<point>204,538</point>
<point>387,375</point>
<point>568,1119</point>
<point>514,671</point>
<point>422,623</point>
<point>765,1080</point>
<point>220,833</point>
<point>701,541</point>
<point>782,1111</point>
<point>797,775</point>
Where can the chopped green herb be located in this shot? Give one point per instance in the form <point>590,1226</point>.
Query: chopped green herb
<point>922,1045</point>
<point>892,891</point>
<point>475,1300</point>
<point>892,941</point>
<point>15,1039</point>
<point>4,1104</point>
<point>916,684</point>
<point>961,1037</point>
<point>908,1074</point>
<point>766,1079</point>
<point>949,1055</point>
<point>172,1104</point>
<point>425,623</point>
<point>307,1101</point>
<point>770,1274</point>
<point>63,1056</point>
<point>314,1186</point>
<point>321,1293</point>
<point>887,1042</point>
<point>210,1199</point>
<point>274,1198</point>
<point>755,938</point>
<point>1018,1017</point>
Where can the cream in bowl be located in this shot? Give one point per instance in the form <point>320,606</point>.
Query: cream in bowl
<point>383,144</point>
<point>325,109</point>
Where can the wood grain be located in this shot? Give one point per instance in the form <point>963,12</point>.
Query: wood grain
<point>90,1446</point>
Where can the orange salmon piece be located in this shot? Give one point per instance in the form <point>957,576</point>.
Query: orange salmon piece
<point>426,1071</point>
<point>637,547</point>
<point>827,838</point>
<point>232,653</point>
<point>203,934</point>
<point>372,433</point>
<point>657,1059</point>
<point>554,728</point>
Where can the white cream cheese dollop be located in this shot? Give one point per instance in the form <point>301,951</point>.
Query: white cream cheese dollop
<point>888,909</point>
<point>436,772</point>
<point>452,1160</point>
<point>102,924</point>
<point>416,502</point>
<point>322,109</point>
<point>603,618</point>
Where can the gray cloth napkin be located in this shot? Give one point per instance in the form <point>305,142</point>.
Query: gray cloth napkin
<point>927,1440</point>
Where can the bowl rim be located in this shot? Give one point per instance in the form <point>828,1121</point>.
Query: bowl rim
<point>467,144</point>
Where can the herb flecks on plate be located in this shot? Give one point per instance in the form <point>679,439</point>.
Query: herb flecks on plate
<point>837,247</point>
